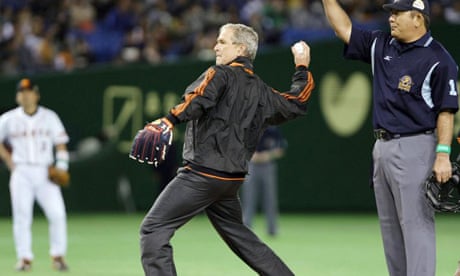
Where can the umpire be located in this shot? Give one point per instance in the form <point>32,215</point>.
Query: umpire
<point>415,99</point>
<point>226,109</point>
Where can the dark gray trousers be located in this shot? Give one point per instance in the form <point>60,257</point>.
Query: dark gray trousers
<point>406,221</point>
<point>187,195</point>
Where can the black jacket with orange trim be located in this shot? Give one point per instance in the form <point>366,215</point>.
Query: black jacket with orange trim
<point>227,110</point>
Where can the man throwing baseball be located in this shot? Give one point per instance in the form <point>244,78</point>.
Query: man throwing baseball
<point>35,133</point>
<point>226,109</point>
<point>415,99</point>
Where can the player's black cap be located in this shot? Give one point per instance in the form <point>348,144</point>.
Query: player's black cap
<point>26,84</point>
<point>407,5</point>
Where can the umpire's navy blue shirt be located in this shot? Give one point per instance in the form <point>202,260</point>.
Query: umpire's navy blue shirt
<point>412,82</point>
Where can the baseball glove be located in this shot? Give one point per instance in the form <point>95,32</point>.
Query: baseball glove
<point>152,143</point>
<point>58,176</point>
<point>444,197</point>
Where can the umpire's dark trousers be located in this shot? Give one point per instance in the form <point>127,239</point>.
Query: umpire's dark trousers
<point>184,197</point>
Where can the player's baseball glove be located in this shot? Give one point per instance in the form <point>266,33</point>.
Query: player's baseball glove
<point>58,176</point>
<point>152,143</point>
<point>444,197</point>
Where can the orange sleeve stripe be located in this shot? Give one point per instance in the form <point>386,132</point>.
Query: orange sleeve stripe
<point>199,91</point>
<point>305,93</point>
<point>178,109</point>
<point>209,75</point>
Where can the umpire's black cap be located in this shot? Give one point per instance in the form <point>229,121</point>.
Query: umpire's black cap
<point>407,5</point>
<point>26,84</point>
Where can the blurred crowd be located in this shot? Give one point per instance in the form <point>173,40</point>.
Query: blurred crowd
<point>62,35</point>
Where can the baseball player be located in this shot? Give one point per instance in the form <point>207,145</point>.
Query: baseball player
<point>262,179</point>
<point>226,109</point>
<point>38,139</point>
<point>415,99</point>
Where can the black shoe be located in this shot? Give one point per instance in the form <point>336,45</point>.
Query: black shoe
<point>24,265</point>
<point>59,264</point>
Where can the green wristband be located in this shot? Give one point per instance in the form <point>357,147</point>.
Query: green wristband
<point>443,148</point>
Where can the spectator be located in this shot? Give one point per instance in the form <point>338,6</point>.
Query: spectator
<point>38,45</point>
<point>84,32</point>
<point>452,13</point>
<point>82,15</point>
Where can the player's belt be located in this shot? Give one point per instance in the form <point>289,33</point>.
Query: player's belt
<point>382,134</point>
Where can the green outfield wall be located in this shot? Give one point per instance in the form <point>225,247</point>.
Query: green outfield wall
<point>328,160</point>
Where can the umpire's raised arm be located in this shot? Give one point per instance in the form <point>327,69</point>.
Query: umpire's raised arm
<point>338,19</point>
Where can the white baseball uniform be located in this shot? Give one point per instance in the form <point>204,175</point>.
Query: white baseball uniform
<point>32,138</point>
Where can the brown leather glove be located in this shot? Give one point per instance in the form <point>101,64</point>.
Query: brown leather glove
<point>58,176</point>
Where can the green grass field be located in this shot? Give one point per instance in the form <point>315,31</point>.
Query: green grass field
<point>311,244</point>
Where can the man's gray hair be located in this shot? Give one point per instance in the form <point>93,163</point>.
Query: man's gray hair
<point>245,35</point>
